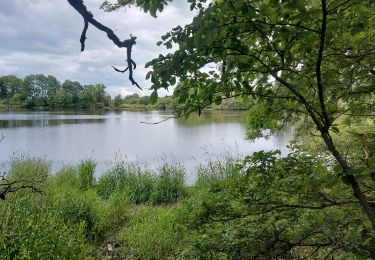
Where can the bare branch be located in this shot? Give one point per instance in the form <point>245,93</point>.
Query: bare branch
<point>13,186</point>
<point>88,17</point>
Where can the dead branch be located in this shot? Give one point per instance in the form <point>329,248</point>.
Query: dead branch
<point>11,186</point>
<point>88,18</point>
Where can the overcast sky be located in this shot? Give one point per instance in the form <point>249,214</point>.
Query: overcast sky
<point>42,37</point>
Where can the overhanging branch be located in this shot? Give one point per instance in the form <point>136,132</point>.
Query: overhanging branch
<point>88,17</point>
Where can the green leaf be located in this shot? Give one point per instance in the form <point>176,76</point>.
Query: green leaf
<point>154,97</point>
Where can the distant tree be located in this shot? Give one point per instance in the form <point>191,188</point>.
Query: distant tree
<point>61,99</point>
<point>117,101</point>
<point>10,85</point>
<point>37,89</point>
<point>74,88</point>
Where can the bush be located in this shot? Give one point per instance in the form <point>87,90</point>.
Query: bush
<point>169,184</point>
<point>86,171</point>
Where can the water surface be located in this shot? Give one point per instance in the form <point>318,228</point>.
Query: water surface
<point>68,137</point>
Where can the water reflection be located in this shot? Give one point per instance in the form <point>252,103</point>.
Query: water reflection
<point>213,117</point>
<point>46,122</point>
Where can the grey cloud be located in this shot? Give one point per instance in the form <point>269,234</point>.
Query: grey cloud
<point>42,36</point>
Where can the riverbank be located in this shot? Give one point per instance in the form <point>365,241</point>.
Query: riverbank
<point>237,209</point>
<point>127,213</point>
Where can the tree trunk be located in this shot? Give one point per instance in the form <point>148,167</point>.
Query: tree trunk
<point>351,178</point>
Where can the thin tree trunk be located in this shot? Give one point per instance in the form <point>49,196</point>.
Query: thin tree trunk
<point>351,178</point>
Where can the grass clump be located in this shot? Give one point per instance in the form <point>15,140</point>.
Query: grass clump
<point>127,178</point>
<point>86,170</point>
<point>75,206</point>
<point>169,184</point>
<point>141,186</point>
<point>31,230</point>
<point>30,227</point>
<point>216,170</point>
<point>24,167</point>
<point>150,235</point>
<point>115,212</point>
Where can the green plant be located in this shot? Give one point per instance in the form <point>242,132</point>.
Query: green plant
<point>169,184</point>
<point>75,206</point>
<point>30,229</point>
<point>115,212</point>
<point>216,170</point>
<point>24,167</point>
<point>150,235</point>
<point>128,178</point>
<point>65,177</point>
<point>86,177</point>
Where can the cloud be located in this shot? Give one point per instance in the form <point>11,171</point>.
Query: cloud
<point>42,36</point>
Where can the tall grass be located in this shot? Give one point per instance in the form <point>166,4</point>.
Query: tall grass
<point>127,178</point>
<point>31,230</point>
<point>150,235</point>
<point>216,170</point>
<point>86,177</point>
<point>30,227</point>
<point>130,206</point>
<point>169,184</point>
<point>25,167</point>
<point>141,185</point>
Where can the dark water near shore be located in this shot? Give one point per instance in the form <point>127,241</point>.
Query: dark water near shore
<point>68,137</point>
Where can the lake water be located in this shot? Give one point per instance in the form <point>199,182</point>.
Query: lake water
<point>68,137</point>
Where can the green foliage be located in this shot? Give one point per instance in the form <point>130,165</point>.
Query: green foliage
<point>30,226</point>
<point>24,167</point>
<point>141,186</point>
<point>169,184</point>
<point>30,230</point>
<point>65,177</point>
<point>75,206</point>
<point>150,235</point>
<point>129,178</point>
<point>273,207</point>
<point>46,91</point>
<point>86,170</point>
<point>115,214</point>
<point>215,170</point>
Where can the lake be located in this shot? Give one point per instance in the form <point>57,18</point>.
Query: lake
<point>68,137</point>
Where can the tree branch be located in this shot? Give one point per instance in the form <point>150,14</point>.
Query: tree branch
<point>326,120</point>
<point>88,17</point>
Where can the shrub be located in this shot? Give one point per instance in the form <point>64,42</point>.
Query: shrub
<point>169,184</point>
<point>86,171</point>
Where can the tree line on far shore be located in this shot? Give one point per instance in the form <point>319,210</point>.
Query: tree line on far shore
<point>40,91</point>
<point>46,91</point>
